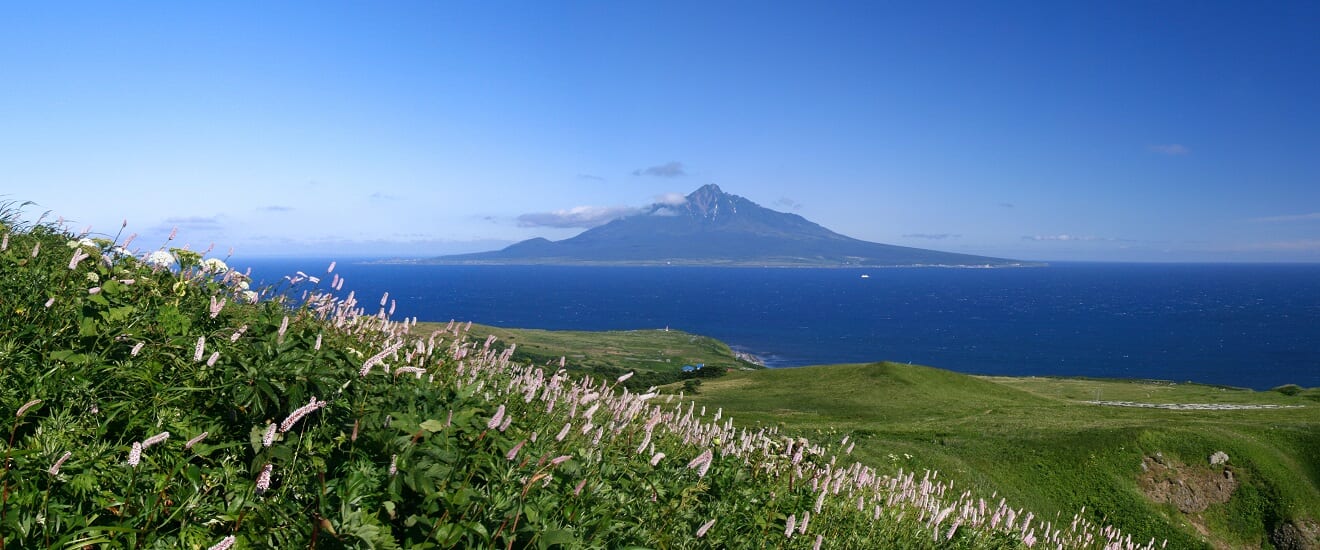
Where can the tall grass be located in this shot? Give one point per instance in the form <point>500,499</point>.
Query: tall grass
<point>154,399</point>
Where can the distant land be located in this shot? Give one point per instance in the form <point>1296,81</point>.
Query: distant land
<point>714,228</point>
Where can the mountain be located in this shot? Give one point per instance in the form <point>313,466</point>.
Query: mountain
<point>711,227</point>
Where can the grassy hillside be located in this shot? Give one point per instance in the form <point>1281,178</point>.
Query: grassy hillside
<point>1036,441</point>
<point>153,400</point>
<point>656,357</point>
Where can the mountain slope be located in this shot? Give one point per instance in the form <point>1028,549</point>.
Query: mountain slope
<point>712,227</point>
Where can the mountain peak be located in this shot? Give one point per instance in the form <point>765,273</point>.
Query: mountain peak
<point>709,190</point>
<point>711,227</point>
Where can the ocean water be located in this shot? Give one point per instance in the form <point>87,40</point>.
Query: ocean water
<point>1254,326</point>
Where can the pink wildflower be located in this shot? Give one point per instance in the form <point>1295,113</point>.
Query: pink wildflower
<point>560,460</point>
<point>268,438</point>
<point>36,249</point>
<point>263,479</point>
<point>564,432</point>
<point>578,490</point>
<point>26,406</point>
<point>238,333</point>
<point>196,440</point>
<point>224,543</point>
<point>302,411</point>
<point>792,523</point>
<point>394,464</point>
<point>136,349</point>
<point>514,451</point>
<point>55,468</point>
<point>200,348</point>
<point>701,531</point>
<point>702,463</point>
<point>78,257</point>
<point>49,303</point>
<point>158,438</point>
<point>625,377</point>
<point>135,454</point>
<point>657,458</point>
<point>495,420</point>
<point>819,539</point>
<point>94,290</point>
<point>331,268</point>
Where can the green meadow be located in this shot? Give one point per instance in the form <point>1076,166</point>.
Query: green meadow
<point>1032,440</point>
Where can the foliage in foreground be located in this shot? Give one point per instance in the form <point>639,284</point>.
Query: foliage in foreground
<point>156,401</point>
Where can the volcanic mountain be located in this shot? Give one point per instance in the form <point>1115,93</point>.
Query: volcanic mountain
<point>711,227</point>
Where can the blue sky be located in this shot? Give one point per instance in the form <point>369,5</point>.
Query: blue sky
<point>1151,131</point>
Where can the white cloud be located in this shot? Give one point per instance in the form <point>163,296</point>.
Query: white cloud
<point>785,202</point>
<point>1300,245</point>
<point>1289,218</point>
<point>671,169</point>
<point>1065,237</point>
<point>1169,149</point>
<point>670,199</point>
<point>578,216</point>
<point>932,236</point>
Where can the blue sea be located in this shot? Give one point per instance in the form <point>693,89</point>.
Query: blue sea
<point>1255,325</point>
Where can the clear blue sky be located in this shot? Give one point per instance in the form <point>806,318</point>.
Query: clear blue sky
<point>1142,131</point>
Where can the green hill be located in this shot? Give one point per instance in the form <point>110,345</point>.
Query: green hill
<point>1037,441</point>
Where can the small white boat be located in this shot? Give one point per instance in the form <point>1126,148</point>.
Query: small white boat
<point>865,276</point>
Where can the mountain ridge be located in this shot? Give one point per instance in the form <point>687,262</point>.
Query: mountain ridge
<point>714,228</point>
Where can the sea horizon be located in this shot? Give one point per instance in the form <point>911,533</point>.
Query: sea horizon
<point>1229,324</point>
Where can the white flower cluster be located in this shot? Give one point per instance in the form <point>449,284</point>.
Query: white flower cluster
<point>160,258</point>
<point>214,265</point>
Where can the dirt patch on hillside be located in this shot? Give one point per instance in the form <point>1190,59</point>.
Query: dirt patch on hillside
<point>1191,489</point>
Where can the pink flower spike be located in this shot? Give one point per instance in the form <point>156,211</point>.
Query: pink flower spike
<point>495,420</point>
<point>135,454</point>
<point>331,268</point>
<point>26,406</point>
<point>196,440</point>
<point>701,532</point>
<point>268,438</point>
<point>55,468</point>
<point>49,303</point>
<point>210,362</point>
<point>560,460</point>
<point>224,544</point>
<point>158,438</point>
<point>513,453</point>
<point>263,479</point>
<point>137,348</point>
<point>200,348</point>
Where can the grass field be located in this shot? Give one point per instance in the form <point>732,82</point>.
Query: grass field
<point>1032,440</point>
<point>1036,441</point>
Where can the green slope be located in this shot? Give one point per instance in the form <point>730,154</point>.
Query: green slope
<point>1034,441</point>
